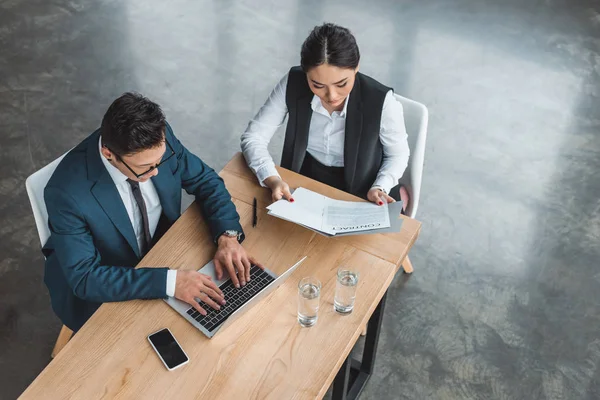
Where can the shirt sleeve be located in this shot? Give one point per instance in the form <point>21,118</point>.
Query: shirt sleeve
<point>394,139</point>
<point>171,280</point>
<point>255,140</point>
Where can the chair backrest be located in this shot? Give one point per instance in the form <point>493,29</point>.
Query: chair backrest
<point>416,117</point>
<point>35,185</point>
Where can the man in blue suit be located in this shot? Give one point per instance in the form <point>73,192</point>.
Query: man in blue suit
<point>110,200</point>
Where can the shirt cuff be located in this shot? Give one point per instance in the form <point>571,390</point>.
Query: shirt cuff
<point>384,182</point>
<point>266,171</point>
<point>171,279</point>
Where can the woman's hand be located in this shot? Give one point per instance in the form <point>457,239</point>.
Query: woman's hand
<point>378,197</point>
<point>279,189</point>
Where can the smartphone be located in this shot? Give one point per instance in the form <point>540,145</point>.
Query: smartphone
<point>168,349</point>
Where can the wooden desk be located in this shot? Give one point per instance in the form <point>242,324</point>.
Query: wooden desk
<point>265,354</point>
<point>242,185</point>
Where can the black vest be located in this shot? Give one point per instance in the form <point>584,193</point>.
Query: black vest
<point>363,152</point>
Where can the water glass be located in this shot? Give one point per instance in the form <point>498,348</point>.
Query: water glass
<point>309,292</point>
<point>345,290</point>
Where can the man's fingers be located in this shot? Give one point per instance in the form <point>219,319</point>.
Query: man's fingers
<point>209,284</point>
<point>232,274</point>
<point>205,298</point>
<point>241,268</point>
<point>218,268</point>
<point>214,295</point>
<point>246,267</point>
<point>196,305</point>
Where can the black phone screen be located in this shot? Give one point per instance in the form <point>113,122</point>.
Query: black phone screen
<point>167,348</point>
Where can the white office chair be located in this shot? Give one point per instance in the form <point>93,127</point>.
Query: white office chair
<point>416,118</point>
<point>35,185</point>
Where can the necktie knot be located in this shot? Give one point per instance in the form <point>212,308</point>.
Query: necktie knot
<point>134,184</point>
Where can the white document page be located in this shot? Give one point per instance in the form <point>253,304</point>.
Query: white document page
<point>345,216</point>
<point>307,209</point>
<point>330,216</point>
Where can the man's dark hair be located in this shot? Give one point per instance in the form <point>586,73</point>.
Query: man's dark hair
<point>329,44</point>
<point>131,124</point>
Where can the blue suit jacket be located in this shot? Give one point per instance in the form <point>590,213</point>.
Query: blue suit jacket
<point>92,250</point>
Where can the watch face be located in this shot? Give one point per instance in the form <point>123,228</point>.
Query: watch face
<point>231,233</point>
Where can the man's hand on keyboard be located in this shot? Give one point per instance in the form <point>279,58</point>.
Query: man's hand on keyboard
<point>231,256</point>
<point>191,285</point>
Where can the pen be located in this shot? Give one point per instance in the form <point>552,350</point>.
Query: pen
<point>254,216</point>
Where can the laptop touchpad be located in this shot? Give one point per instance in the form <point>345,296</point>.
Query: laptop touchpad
<point>209,269</point>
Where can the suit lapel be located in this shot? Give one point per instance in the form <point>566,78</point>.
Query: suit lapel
<point>109,199</point>
<point>354,120</point>
<point>107,195</point>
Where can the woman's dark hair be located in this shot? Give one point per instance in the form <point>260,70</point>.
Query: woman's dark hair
<point>131,124</point>
<point>329,44</point>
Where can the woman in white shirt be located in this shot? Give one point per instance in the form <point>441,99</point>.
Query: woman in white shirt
<point>344,129</point>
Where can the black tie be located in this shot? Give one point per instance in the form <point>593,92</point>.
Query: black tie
<point>139,199</point>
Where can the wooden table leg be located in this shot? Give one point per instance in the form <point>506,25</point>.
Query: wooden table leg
<point>63,338</point>
<point>407,265</point>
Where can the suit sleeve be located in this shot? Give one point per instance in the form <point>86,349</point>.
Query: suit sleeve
<point>80,260</point>
<point>206,185</point>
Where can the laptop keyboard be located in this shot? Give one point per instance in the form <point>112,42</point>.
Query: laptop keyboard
<point>235,299</point>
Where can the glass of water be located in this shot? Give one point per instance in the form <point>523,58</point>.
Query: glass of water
<point>345,290</point>
<point>309,292</point>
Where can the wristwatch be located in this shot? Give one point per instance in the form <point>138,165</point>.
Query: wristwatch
<point>379,188</point>
<point>231,233</point>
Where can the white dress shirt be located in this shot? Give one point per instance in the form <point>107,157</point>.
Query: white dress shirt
<point>326,137</point>
<point>153,208</point>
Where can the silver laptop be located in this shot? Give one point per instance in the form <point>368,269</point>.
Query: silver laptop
<point>238,300</point>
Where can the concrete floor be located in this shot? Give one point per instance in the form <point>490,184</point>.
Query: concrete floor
<point>505,299</point>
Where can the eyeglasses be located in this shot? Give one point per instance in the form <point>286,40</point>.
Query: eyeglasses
<point>152,168</point>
